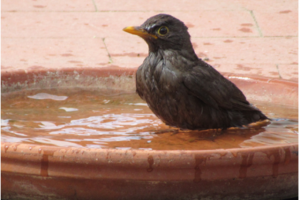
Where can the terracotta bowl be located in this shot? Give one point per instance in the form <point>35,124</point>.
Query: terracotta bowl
<point>46,172</point>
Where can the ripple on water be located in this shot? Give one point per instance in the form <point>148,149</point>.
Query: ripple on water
<point>82,118</point>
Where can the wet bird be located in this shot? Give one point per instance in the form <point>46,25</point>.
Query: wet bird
<point>181,89</point>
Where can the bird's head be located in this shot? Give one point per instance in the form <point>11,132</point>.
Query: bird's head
<point>163,32</point>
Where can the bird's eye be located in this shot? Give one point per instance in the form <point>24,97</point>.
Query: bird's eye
<point>163,30</point>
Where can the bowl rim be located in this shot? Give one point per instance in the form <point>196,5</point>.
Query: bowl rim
<point>117,71</point>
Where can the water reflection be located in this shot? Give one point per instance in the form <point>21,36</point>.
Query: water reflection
<point>87,119</point>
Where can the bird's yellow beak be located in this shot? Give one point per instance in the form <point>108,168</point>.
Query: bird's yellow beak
<point>136,30</point>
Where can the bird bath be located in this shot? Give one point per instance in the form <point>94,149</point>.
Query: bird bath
<point>148,160</point>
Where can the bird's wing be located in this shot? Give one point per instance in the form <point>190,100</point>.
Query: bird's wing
<point>208,85</point>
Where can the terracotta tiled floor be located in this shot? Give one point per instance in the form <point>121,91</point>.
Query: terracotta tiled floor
<point>237,36</point>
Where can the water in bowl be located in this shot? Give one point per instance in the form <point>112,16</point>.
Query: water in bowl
<point>86,118</point>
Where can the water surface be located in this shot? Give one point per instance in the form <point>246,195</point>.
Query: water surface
<point>83,118</point>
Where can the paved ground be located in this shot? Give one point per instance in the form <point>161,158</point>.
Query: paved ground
<point>237,36</point>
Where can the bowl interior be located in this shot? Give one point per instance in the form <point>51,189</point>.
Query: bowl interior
<point>106,99</point>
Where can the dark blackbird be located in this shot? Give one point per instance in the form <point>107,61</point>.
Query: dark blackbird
<point>181,89</point>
